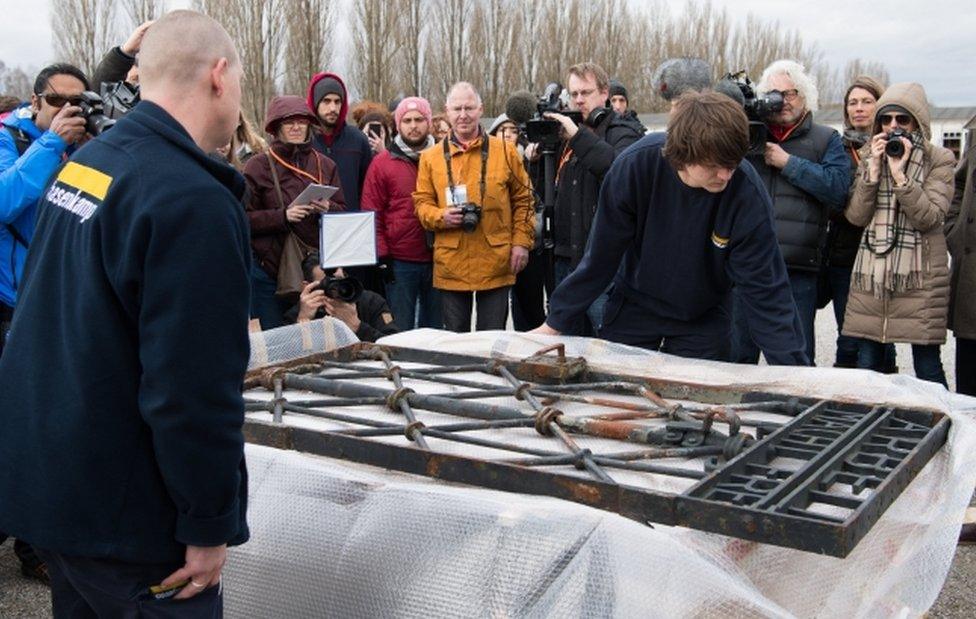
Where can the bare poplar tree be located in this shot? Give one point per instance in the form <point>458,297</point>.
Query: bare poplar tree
<point>310,25</point>
<point>412,71</point>
<point>85,30</point>
<point>15,82</point>
<point>258,29</point>
<point>874,69</point>
<point>140,11</point>
<point>376,31</point>
<point>448,53</point>
<point>491,25</point>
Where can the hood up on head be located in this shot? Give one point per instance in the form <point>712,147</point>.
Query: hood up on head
<point>313,103</point>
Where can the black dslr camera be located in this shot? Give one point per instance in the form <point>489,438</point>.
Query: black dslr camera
<point>93,111</point>
<point>758,109</point>
<point>895,148</point>
<point>545,130</point>
<point>347,289</point>
<point>470,216</point>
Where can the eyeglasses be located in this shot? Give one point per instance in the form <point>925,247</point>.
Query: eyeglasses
<point>55,100</point>
<point>902,119</point>
<point>295,122</point>
<point>582,93</point>
<point>788,95</point>
<point>468,109</point>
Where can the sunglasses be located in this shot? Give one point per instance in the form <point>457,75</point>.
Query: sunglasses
<point>901,119</point>
<point>56,100</point>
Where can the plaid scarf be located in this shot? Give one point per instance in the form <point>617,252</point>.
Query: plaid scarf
<point>889,259</point>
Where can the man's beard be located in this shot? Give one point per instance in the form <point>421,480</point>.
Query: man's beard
<point>415,143</point>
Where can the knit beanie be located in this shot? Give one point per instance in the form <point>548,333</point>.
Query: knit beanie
<point>616,88</point>
<point>412,104</point>
<point>327,86</point>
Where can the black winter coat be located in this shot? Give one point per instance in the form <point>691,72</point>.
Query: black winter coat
<point>580,177</point>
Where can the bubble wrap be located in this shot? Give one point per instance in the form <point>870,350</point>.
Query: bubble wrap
<point>334,538</point>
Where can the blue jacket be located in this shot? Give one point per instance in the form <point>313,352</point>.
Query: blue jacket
<point>680,250</point>
<point>120,384</point>
<point>22,178</point>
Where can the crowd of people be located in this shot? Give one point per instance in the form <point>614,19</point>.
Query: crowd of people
<point>693,242</point>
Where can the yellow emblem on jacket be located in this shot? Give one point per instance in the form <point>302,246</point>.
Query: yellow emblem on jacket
<point>719,241</point>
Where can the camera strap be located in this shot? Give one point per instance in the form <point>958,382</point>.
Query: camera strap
<point>484,166</point>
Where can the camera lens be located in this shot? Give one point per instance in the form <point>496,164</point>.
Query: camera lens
<point>894,148</point>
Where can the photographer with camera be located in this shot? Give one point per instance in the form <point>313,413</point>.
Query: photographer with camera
<point>335,294</point>
<point>902,191</point>
<point>807,174</point>
<point>474,193</point>
<point>681,219</point>
<point>589,150</point>
<point>119,63</point>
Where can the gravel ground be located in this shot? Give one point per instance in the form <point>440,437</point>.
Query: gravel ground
<point>20,597</point>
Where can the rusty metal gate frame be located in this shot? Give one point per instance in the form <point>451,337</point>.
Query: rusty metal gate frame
<point>877,449</point>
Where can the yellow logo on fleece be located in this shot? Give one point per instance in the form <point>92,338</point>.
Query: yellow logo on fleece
<point>718,241</point>
<point>89,180</point>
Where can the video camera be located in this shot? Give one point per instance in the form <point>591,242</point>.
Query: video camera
<point>758,109</point>
<point>119,98</point>
<point>545,130</point>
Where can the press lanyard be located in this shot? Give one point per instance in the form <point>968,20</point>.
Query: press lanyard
<point>318,165</point>
<point>484,166</point>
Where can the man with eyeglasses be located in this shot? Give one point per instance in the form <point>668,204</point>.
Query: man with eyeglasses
<point>807,173</point>
<point>589,150</point>
<point>473,192</point>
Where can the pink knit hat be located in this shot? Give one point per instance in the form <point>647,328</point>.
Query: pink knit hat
<point>412,104</point>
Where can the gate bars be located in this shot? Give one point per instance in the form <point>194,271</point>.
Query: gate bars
<point>817,482</point>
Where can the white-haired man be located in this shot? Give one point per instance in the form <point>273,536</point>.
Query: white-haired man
<point>807,173</point>
<point>127,470</point>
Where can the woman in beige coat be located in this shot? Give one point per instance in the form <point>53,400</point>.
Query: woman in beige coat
<point>900,283</point>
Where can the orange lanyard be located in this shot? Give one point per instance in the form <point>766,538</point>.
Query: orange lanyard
<point>318,165</point>
<point>562,161</point>
<point>857,158</point>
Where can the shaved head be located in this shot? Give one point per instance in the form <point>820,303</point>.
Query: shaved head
<point>180,47</point>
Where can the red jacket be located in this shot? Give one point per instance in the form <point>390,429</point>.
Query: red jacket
<point>390,183</point>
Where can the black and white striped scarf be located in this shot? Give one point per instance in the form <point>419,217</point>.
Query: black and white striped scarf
<point>889,259</point>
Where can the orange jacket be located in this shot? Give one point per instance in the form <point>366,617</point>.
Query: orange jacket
<point>478,260</point>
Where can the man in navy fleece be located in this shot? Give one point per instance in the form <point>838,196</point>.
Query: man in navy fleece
<point>125,467</point>
<point>681,219</point>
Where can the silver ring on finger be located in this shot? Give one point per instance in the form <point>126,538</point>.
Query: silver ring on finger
<point>197,585</point>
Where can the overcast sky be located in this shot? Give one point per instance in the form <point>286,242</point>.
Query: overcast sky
<point>928,41</point>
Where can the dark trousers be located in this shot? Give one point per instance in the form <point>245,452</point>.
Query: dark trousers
<point>492,309</point>
<point>804,288</point>
<point>926,358</point>
<point>528,301</point>
<point>83,588</point>
<point>588,325</point>
<point>265,305</point>
<point>966,366</point>
<point>412,296</point>
<point>707,337</point>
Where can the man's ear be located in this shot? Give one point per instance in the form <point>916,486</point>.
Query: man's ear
<point>35,104</point>
<point>218,76</point>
